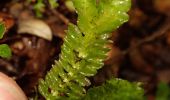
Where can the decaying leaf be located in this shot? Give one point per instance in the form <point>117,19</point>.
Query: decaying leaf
<point>35,27</point>
<point>7,20</point>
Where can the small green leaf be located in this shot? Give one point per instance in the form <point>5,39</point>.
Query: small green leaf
<point>53,3</point>
<point>2,30</point>
<point>5,51</point>
<point>39,8</point>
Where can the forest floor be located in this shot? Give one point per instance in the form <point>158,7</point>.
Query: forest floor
<point>140,52</point>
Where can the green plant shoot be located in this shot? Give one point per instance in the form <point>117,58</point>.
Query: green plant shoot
<point>84,48</point>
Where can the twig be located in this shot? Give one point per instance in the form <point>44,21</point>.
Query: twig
<point>61,16</point>
<point>162,31</point>
<point>157,34</point>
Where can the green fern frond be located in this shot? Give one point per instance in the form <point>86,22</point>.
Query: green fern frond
<point>116,89</point>
<point>84,48</point>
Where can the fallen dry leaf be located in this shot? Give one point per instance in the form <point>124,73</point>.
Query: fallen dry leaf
<point>35,27</point>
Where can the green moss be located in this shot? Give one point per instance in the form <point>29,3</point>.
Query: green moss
<point>116,89</point>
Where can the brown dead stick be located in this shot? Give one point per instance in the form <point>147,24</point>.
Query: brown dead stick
<point>157,34</point>
<point>60,16</point>
<point>162,31</point>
